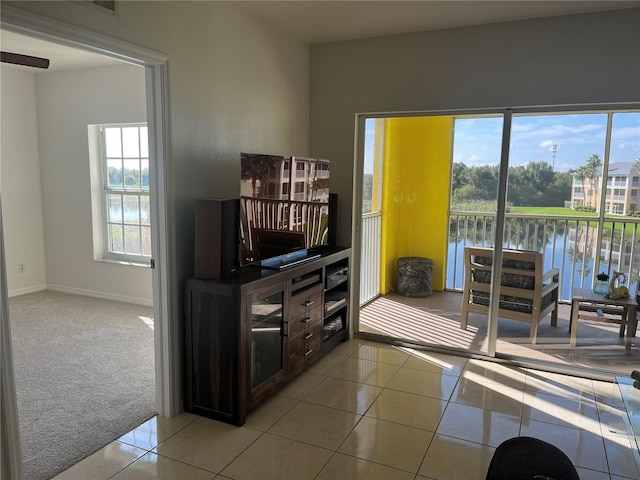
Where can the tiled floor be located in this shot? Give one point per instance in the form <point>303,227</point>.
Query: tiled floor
<point>372,411</point>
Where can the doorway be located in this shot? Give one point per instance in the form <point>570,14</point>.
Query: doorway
<point>156,80</point>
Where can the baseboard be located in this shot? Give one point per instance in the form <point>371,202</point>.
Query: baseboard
<point>23,291</point>
<point>106,296</point>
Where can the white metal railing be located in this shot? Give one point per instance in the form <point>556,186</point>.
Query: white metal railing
<point>572,244</point>
<point>370,257</point>
<point>568,242</point>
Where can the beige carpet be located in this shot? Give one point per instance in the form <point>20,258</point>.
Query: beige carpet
<point>84,370</point>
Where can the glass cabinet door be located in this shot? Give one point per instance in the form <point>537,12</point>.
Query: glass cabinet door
<point>267,355</point>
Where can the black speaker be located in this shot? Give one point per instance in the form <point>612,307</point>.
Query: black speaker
<point>217,238</point>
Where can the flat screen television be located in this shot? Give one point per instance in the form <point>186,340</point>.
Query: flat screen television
<point>284,209</point>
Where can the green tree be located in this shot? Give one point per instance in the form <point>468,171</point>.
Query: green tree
<point>529,184</point>
<point>484,182</point>
<point>256,168</point>
<point>459,176</point>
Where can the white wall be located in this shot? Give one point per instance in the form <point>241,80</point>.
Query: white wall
<point>67,102</point>
<point>20,182</point>
<point>573,59</point>
<point>236,84</point>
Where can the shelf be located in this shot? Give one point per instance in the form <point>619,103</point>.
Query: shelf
<point>333,301</point>
<point>331,328</point>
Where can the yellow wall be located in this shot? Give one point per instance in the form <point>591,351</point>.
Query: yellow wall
<point>416,184</point>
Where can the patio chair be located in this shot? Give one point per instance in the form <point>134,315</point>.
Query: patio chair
<point>527,294</point>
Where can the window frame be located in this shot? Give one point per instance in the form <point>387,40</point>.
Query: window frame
<point>101,192</point>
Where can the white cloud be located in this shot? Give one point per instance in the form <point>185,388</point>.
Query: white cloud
<point>548,144</point>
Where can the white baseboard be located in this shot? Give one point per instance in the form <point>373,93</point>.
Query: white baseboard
<point>106,296</point>
<point>23,291</point>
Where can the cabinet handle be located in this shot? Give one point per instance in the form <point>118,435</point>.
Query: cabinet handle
<point>308,336</point>
<point>308,352</point>
<point>306,319</point>
<point>307,303</point>
<point>285,329</point>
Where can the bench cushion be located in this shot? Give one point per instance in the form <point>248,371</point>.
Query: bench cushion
<point>507,302</point>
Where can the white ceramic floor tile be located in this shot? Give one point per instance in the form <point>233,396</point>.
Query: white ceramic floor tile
<point>327,364</point>
<point>488,396</point>
<point>422,382</point>
<point>586,474</point>
<point>560,385</point>
<point>408,409</point>
<point>103,464</point>
<point>478,425</point>
<point>344,395</point>
<point>269,412</point>
<point>277,458</point>
<point>571,412</point>
<point>391,444</point>
<point>302,385</point>
<point>156,467</point>
<point>156,430</point>
<point>381,353</point>
<point>344,467</point>
<point>316,425</point>
<point>436,362</point>
<point>365,371</point>
<point>450,458</point>
<point>347,348</point>
<point>483,371</point>
<point>621,458</point>
<point>208,444</point>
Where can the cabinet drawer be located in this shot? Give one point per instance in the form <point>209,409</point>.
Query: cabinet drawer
<point>303,322</point>
<point>305,346</point>
<point>302,302</point>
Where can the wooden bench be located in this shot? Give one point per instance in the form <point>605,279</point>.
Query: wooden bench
<point>527,293</point>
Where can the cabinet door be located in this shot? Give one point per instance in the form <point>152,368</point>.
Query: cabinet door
<point>266,321</point>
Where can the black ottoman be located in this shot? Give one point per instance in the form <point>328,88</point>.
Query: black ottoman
<point>527,458</point>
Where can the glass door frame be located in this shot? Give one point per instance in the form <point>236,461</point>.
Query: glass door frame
<point>507,114</point>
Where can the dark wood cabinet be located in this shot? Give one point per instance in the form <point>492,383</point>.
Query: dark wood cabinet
<point>250,334</point>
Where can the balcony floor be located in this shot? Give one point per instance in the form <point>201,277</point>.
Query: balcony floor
<point>436,321</point>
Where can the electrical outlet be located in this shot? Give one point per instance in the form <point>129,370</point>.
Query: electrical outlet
<point>21,268</point>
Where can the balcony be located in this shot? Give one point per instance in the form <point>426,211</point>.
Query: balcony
<point>569,243</point>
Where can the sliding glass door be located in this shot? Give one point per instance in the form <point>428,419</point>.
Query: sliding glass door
<point>573,196</point>
<point>564,184</point>
<point>417,171</point>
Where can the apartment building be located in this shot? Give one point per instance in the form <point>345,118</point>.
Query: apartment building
<point>622,189</point>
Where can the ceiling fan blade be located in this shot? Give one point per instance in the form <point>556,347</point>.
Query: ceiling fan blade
<point>26,60</point>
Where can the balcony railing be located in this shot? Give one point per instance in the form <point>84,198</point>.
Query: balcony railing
<point>370,258</point>
<point>569,243</point>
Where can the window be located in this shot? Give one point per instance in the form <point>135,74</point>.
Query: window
<point>122,223</point>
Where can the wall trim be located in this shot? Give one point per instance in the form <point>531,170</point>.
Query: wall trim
<point>95,294</point>
<point>26,290</point>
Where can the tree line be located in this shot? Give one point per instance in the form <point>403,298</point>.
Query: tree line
<point>534,184</point>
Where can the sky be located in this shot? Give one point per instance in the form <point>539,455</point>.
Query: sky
<point>477,140</point>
